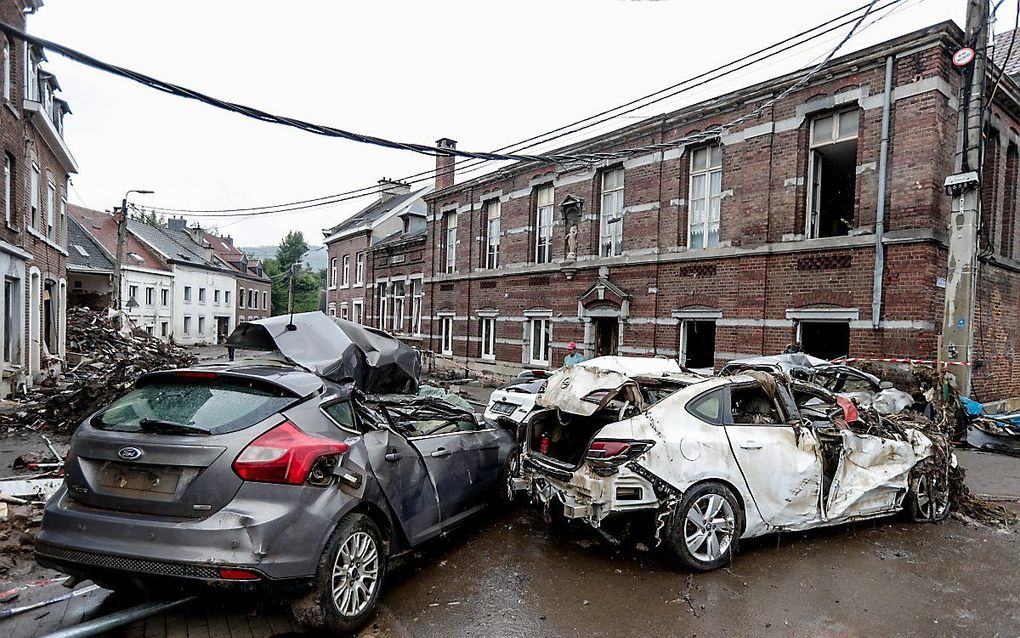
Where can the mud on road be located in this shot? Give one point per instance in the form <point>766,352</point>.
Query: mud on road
<point>517,576</point>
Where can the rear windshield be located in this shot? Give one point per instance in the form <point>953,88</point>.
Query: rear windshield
<point>212,406</point>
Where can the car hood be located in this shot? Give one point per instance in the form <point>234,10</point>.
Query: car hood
<point>584,390</point>
<point>336,350</point>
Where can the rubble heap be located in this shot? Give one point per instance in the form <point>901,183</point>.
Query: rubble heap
<point>106,356</point>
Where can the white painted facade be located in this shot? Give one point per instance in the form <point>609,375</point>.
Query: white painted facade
<point>196,313</point>
<point>153,292</point>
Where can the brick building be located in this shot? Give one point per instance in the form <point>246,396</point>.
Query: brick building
<point>379,250</point>
<point>774,232</point>
<point>33,238</point>
<point>254,287</point>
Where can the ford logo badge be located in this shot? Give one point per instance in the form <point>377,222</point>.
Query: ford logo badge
<point>129,453</point>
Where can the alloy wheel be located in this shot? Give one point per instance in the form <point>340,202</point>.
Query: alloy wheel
<point>355,574</point>
<point>513,467</point>
<point>932,497</point>
<point>709,527</point>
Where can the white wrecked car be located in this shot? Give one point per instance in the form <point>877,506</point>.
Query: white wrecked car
<point>716,459</point>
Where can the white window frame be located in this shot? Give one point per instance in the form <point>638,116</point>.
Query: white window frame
<point>493,210</point>
<point>488,337</point>
<point>450,226</point>
<point>164,329</point>
<point>201,325</point>
<point>611,213</point>
<point>164,297</point>
<point>8,181</point>
<point>187,294</point>
<point>33,186</point>
<point>359,268</point>
<point>133,292</point>
<point>150,296</point>
<point>417,297</point>
<point>704,196</point>
<point>815,176</point>
<point>240,297</point>
<point>7,70</point>
<point>187,324</point>
<point>51,203</point>
<point>382,292</point>
<point>446,335</point>
<point>543,326</point>
<point>357,311</point>
<point>346,281</point>
<point>545,197</point>
<point>399,304</point>
<point>265,300</point>
<point>332,272</point>
<point>216,295</point>
<point>201,294</point>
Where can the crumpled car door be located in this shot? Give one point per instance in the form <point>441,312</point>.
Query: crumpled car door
<point>780,464</point>
<point>873,472</point>
<point>584,390</point>
<point>404,479</point>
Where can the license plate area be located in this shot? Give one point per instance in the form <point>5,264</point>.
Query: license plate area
<point>502,407</point>
<point>150,482</point>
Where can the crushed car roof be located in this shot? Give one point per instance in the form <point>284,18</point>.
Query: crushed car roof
<point>336,350</point>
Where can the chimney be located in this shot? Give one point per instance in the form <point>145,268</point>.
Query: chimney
<point>177,223</point>
<point>445,164</point>
<point>390,188</point>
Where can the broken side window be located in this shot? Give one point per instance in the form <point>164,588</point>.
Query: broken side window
<point>750,404</point>
<point>825,339</point>
<point>832,174</point>
<point>708,407</point>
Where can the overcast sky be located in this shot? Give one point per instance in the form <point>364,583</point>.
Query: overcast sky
<point>485,73</point>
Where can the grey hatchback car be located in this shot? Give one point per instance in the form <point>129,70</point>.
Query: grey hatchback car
<point>260,473</point>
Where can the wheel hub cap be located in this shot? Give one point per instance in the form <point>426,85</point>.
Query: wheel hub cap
<point>355,574</point>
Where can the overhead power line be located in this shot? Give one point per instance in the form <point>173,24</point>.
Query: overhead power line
<point>673,90</point>
<point>713,132</point>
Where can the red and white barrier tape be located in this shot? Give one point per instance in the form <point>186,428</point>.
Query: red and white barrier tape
<point>929,362</point>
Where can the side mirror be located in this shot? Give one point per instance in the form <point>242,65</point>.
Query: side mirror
<point>885,385</point>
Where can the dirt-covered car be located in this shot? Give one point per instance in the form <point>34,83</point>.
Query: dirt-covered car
<point>304,470</point>
<point>718,459</point>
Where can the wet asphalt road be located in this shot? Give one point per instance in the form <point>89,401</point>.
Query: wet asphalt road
<point>514,575</point>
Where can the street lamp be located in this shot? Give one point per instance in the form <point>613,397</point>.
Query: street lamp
<point>121,236</point>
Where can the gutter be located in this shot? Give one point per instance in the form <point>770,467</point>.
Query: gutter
<point>883,169</point>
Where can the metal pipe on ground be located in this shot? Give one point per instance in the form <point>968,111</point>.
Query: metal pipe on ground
<point>121,618</point>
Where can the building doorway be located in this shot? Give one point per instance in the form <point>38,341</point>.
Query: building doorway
<point>607,336</point>
<point>222,329</point>
<point>825,339</point>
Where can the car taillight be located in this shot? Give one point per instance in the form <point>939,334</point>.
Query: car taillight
<point>612,453</point>
<point>285,454</point>
<point>230,573</point>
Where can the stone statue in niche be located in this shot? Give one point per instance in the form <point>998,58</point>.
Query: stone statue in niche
<point>570,208</point>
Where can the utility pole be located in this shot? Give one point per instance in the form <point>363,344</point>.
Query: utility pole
<point>965,189</point>
<point>290,296</point>
<point>118,285</point>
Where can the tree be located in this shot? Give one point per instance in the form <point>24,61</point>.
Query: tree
<point>307,282</point>
<point>292,248</point>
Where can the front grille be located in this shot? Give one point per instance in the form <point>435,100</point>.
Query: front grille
<point>108,561</point>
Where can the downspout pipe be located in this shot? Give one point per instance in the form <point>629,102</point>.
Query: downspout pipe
<point>883,170</point>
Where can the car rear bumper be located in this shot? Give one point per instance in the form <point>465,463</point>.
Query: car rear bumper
<point>279,537</point>
<point>585,494</point>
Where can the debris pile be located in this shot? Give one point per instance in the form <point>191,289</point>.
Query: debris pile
<point>110,355</point>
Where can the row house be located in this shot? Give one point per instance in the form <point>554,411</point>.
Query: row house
<point>33,236</point>
<point>375,262</point>
<point>791,226</point>
<point>254,287</point>
<point>146,279</point>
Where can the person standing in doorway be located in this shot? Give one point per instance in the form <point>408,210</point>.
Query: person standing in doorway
<point>573,355</point>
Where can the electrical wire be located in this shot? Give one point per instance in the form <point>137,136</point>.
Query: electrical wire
<point>563,131</point>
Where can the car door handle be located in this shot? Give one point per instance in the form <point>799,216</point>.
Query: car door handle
<point>751,445</point>
<point>441,451</point>
<point>393,456</point>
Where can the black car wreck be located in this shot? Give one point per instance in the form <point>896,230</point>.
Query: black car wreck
<point>311,463</point>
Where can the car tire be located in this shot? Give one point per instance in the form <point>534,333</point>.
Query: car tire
<point>344,594</point>
<point>705,545</point>
<point>511,470</point>
<point>929,498</point>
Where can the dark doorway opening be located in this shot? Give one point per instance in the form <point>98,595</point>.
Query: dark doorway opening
<point>825,339</point>
<point>835,176</point>
<point>606,336</point>
<point>222,329</point>
<point>698,344</point>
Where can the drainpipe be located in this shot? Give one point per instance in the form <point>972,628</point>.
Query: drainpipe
<point>883,168</point>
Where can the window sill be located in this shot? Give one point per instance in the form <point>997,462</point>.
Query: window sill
<point>52,244</point>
